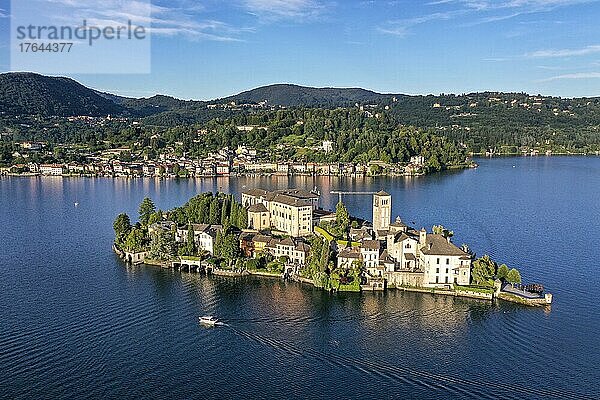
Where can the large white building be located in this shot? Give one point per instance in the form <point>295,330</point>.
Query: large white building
<point>289,211</point>
<point>442,262</point>
<point>402,255</point>
<point>52,169</point>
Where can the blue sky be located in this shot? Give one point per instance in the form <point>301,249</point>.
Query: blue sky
<point>208,49</point>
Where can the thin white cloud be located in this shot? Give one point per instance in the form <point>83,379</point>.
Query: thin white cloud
<point>296,10</point>
<point>557,53</point>
<point>481,11</point>
<point>402,27</point>
<point>158,20</point>
<point>579,75</point>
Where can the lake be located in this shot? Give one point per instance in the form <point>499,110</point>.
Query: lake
<point>78,323</point>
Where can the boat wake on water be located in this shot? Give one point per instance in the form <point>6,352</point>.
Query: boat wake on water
<point>406,375</point>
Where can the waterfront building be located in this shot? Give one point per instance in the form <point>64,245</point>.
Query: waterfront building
<point>52,169</point>
<point>290,211</point>
<point>442,262</point>
<point>403,256</point>
<point>370,250</point>
<point>295,250</point>
<point>348,257</point>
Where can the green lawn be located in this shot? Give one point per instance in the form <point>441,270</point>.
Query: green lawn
<point>476,289</point>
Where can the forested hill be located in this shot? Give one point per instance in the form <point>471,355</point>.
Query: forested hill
<point>301,96</point>
<point>33,94</point>
<point>502,122</point>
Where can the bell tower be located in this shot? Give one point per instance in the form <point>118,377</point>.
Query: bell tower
<point>382,211</point>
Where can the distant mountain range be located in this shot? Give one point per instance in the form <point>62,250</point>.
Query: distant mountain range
<point>27,93</point>
<point>480,120</point>
<point>33,94</point>
<point>293,96</point>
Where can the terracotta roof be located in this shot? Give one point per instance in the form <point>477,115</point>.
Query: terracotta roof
<point>289,200</point>
<point>402,236</point>
<point>257,208</point>
<point>255,192</point>
<point>383,232</point>
<point>298,193</point>
<point>370,244</point>
<point>399,224</point>
<point>303,247</point>
<point>261,238</point>
<point>287,242</point>
<point>438,245</point>
<point>349,252</point>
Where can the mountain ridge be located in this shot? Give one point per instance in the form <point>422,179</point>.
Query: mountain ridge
<point>28,93</point>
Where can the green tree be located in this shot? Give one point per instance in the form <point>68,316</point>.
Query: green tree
<point>342,218</point>
<point>483,270</point>
<point>162,246</point>
<point>135,240</point>
<point>513,276</point>
<point>375,169</point>
<point>230,248</point>
<point>147,208</point>
<point>122,226</point>
<point>225,211</point>
<point>325,257</point>
<point>155,217</point>
<point>214,215</point>
<point>190,245</point>
<point>440,230</point>
<point>502,272</point>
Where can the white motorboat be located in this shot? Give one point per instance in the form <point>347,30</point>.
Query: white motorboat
<point>208,320</point>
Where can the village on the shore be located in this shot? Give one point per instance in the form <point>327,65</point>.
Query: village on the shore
<point>243,160</point>
<point>285,233</point>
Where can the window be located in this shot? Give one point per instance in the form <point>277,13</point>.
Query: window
<point>438,260</point>
<point>446,279</point>
<point>447,261</point>
<point>446,270</point>
<point>437,279</point>
<point>437,270</point>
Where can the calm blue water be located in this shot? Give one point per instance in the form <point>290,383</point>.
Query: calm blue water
<point>77,323</point>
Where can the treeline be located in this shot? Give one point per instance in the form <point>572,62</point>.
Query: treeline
<point>205,208</point>
<point>504,122</point>
<point>297,134</point>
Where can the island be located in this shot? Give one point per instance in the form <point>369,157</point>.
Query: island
<point>286,234</point>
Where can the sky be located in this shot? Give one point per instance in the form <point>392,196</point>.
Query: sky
<point>209,49</point>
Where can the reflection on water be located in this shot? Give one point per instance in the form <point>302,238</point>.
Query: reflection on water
<point>78,323</point>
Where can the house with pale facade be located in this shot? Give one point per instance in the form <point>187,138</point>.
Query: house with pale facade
<point>289,211</point>
<point>204,235</point>
<point>442,262</point>
<point>295,250</point>
<point>403,256</point>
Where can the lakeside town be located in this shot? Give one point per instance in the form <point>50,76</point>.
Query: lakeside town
<point>285,233</point>
<point>241,161</point>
